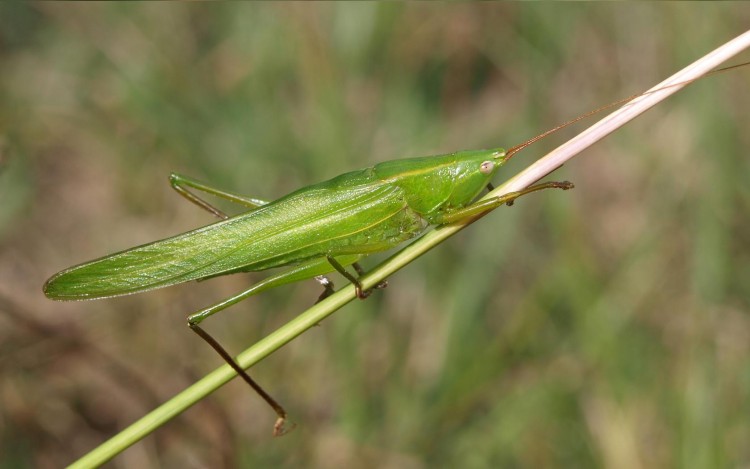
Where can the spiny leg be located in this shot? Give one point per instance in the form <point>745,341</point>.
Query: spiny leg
<point>306,270</point>
<point>279,427</point>
<point>180,184</point>
<point>197,317</point>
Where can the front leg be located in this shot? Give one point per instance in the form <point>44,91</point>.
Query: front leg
<point>488,204</point>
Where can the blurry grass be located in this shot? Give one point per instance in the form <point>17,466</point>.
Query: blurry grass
<point>604,327</point>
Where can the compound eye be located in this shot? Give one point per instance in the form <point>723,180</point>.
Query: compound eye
<point>486,167</point>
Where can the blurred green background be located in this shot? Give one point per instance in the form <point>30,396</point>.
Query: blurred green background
<point>604,327</point>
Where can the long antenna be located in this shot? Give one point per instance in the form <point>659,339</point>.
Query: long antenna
<point>512,151</point>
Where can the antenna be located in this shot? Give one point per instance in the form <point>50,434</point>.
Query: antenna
<point>512,151</point>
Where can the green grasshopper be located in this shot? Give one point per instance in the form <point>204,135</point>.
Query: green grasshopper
<point>315,230</point>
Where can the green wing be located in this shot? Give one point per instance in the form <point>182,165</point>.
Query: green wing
<point>257,240</point>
